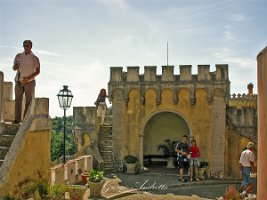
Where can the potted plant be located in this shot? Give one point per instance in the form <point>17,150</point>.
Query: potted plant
<point>96,182</point>
<point>85,176</point>
<point>131,164</point>
<point>168,149</point>
<point>76,192</point>
<point>202,168</point>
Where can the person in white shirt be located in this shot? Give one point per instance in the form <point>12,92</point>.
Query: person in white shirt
<point>27,66</point>
<point>247,163</point>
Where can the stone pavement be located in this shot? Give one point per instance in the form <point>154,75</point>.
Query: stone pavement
<point>163,184</point>
<point>158,183</point>
<point>122,185</point>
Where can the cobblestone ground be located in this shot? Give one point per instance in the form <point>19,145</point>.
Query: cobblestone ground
<point>169,186</point>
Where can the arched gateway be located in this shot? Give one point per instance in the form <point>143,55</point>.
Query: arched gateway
<point>162,126</point>
<point>148,108</point>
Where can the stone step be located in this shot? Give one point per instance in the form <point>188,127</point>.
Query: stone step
<point>3,152</point>
<point>103,140</point>
<point>1,162</point>
<point>108,158</point>
<point>108,119</point>
<point>105,143</point>
<point>105,130</point>
<point>103,153</point>
<point>108,165</point>
<point>104,148</point>
<point>106,125</point>
<point>9,128</point>
<point>109,170</point>
<point>6,140</point>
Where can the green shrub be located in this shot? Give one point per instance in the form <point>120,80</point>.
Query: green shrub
<point>40,186</point>
<point>130,159</point>
<point>96,176</point>
<point>57,191</point>
<point>8,197</point>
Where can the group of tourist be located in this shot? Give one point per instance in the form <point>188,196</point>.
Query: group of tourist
<point>187,156</point>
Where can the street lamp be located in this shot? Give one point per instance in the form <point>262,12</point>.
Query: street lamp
<point>64,98</point>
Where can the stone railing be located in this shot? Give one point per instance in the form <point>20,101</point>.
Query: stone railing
<point>72,170</point>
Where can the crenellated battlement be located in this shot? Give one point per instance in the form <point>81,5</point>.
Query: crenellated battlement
<point>244,100</point>
<point>204,79</point>
<point>242,113</point>
<point>150,74</point>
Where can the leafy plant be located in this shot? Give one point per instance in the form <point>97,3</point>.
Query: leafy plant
<point>130,159</point>
<point>8,197</point>
<point>40,186</point>
<point>96,175</point>
<point>57,191</point>
<point>203,164</point>
<point>168,148</point>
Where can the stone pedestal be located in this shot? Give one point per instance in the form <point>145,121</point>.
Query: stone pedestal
<point>201,172</point>
<point>262,125</point>
<point>96,188</point>
<point>218,135</point>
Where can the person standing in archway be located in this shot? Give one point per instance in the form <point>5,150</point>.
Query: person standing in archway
<point>182,153</point>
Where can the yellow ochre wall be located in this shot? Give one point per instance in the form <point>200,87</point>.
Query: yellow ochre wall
<point>34,151</point>
<point>197,116</point>
<point>235,144</point>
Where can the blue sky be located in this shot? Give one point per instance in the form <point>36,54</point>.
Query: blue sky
<point>77,41</point>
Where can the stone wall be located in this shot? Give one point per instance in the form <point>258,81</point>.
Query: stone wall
<point>221,123</point>
<point>136,98</point>
<point>28,158</point>
<point>86,129</point>
<point>241,118</point>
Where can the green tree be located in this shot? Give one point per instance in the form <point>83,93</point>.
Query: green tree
<point>57,138</point>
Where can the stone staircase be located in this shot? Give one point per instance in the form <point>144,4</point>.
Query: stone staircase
<point>7,135</point>
<point>105,146</point>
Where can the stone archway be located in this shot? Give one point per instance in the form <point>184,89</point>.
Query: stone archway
<point>159,127</point>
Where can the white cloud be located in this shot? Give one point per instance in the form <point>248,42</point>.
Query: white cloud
<point>116,6</point>
<point>43,52</point>
<point>10,47</point>
<point>229,35</point>
<point>228,55</point>
<point>48,53</point>
<point>238,17</point>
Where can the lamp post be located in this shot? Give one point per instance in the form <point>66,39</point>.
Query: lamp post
<point>64,98</point>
